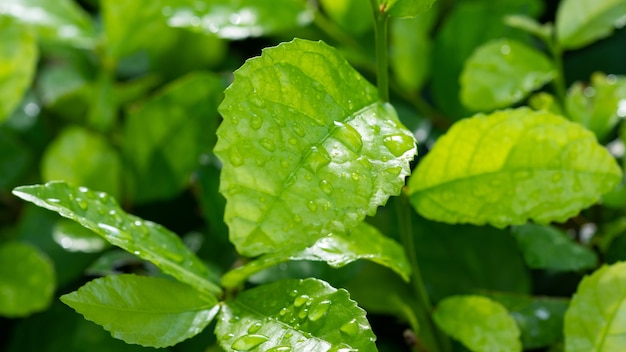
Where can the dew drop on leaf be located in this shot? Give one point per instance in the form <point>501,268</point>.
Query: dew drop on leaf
<point>395,171</point>
<point>319,310</point>
<point>258,101</point>
<point>318,158</point>
<point>326,187</point>
<point>268,144</point>
<point>256,122</point>
<point>52,200</point>
<point>248,342</point>
<point>301,300</point>
<point>350,328</point>
<point>349,137</point>
<point>234,157</point>
<point>254,328</point>
<point>298,130</point>
<point>398,144</point>
<point>292,141</point>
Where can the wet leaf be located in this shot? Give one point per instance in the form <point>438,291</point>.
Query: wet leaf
<point>581,22</point>
<point>307,149</point>
<point>297,315</point>
<point>75,238</point>
<point>100,213</point>
<point>147,311</point>
<point>511,166</point>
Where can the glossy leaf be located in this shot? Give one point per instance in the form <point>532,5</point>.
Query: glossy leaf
<point>75,238</point>
<point>511,166</point>
<point>404,8</point>
<point>353,16</point>
<point>306,148</point>
<point>27,280</point>
<point>595,318</point>
<point>480,323</point>
<point>60,21</point>
<point>100,213</point>
<point>163,138</point>
<point>545,247</point>
<point>15,157</point>
<point>298,315</point>
<point>18,60</point>
<point>147,311</point>
<point>362,242</point>
<point>82,157</point>
<point>581,22</point>
<point>503,72</point>
<point>238,19</point>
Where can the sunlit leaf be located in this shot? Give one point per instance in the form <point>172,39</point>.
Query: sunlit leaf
<point>307,149</point>
<point>511,166</point>
<point>595,318</point>
<point>298,315</point>
<point>100,213</point>
<point>480,323</point>
<point>147,311</point>
<point>362,242</point>
<point>27,280</point>
<point>581,22</point>
<point>502,72</point>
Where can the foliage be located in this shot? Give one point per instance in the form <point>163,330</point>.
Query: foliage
<point>296,212</point>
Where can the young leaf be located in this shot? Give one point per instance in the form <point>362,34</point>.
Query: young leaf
<point>545,247</point>
<point>480,323</point>
<point>502,72</point>
<point>100,213</point>
<point>595,318</point>
<point>307,149</point>
<point>404,8</point>
<point>147,311</point>
<point>511,166</point>
<point>27,280</point>
<point>297,315</point>
<point>530,25</point>
<point>581,22</point>
<point>18,60</point>
<point>362,242</point>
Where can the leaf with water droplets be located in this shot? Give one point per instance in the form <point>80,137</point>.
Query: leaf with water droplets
<point>147,311</point>
<point>511,166</point>
<point>362,242</point>
<point>100,213</point>
<point>306,147</point>
<point>294,315</point>
<point>502,72</point>
<point>581,22</point>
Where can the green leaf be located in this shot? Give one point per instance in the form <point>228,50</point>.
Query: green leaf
<point>103,108</point>
<point>301,315</point>
<point>530,25</point>
<point>15,157</point>
<point>352,16</point>
<point>480,323</point>
<point>163,138</point>
<point>75,238</point>
<point>545,247</point>
<point>595,318</point>
<point>362,242</point>
<point>239,19</point>
<point>307,149</point>
<point>511,166</point>
<point>59,21</point>
<point>581,22</point>
<point>82,157</point>
<point>18,60</point>
<point>404,8</point>
<point>503,72</point>
<point>100,213</point>
<point>27,280</point>
<point>147,311</point>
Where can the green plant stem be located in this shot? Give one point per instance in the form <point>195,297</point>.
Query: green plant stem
<point>381,21</point>
<point>559,80</point>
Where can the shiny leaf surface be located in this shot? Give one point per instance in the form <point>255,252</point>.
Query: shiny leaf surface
<point>581,22</point>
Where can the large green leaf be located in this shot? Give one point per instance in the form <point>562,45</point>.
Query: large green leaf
<point>404,8</point>
<point>546,247</point>
<point>480,323</point>
<point>362,242</point>
<point>294,315</point>
<point>18,60</point>
<point>163,139</point>
<point>27,280</point>
<point>511,166</point>
<point>100,213</point>
<point>581,22</point>
<point>306,148</point>
<point>502,72</point>
<point>147,311</point>
<point>595,320</point>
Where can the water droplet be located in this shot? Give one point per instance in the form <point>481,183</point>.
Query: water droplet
<point>82,204</point>
<point>348,136</point>
<point>258,101</point>
<point>355,176</point>
<point>365,163</point>
<point>280,349</point>
<point>235,158</point>
<point>110,229</point>
<point>350,328</point>
<point>254,328</point>
<point>395,171</point>
<point>82,189</point>
<point>283,312</point>
<point>301,300</point>
<point>556,177</point>
<point>350,105</point>
<point>312,206</point>
<point>268,144</point>
<point>234,120</point>
<point>298,129</point>
<point>326,187</point>
<point>279,121</point>
<point>297,218</point>
<point>398,144</point>
<point>505,49</point>
<point>256,122</point>
<point>303,313</point>
<point>53,200</point>
<point>248,342</point>
<point>318,158</point>
<point>292,141</point>
<point>319,310</point>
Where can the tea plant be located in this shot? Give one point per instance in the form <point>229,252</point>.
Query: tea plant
<point>317,169</point>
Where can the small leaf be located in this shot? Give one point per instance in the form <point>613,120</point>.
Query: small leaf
<point>18,61</point>
<point>353,16</point>
<point>362,242</point>
<point>480,323</point>
<point>100,213</point>
<point>404,8</point>
<point>307,149</point>
<point>147,311</point>
<point>27,280</point>
<point>298,315</point>
<point>581,22</point>
<point>502,72</point>
<point>545,247</point>
<point>511,166</point>
<point>595,318</point>
<point>530,25</point>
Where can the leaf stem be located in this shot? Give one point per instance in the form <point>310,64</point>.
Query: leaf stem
<point>559,80</point>
<point>381,21</point>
